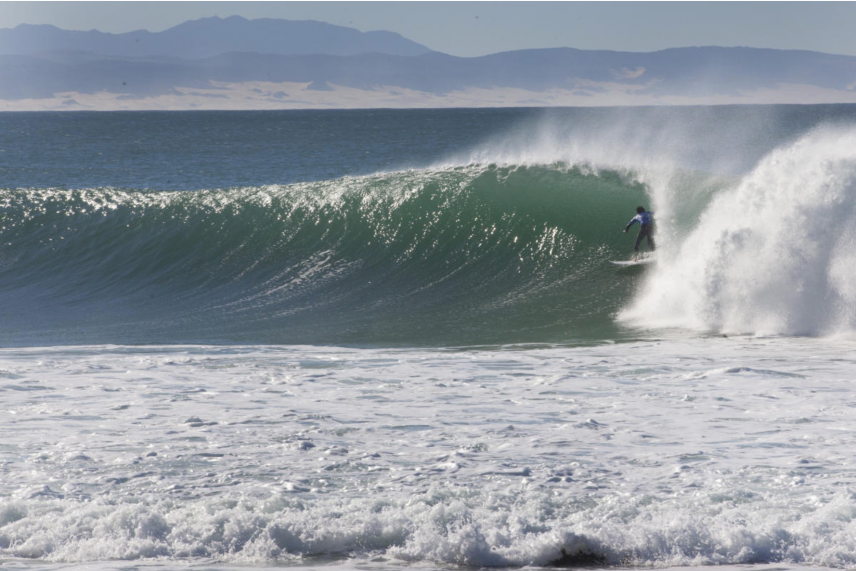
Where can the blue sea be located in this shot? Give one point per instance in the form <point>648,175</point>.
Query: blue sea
<point>393,339</point>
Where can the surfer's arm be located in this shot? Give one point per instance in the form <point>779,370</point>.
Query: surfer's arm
<point>632,222</point>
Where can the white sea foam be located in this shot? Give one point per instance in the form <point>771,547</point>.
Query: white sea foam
<point>689,452</point>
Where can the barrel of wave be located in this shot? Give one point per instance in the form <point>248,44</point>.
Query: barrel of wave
<point>773,254</point>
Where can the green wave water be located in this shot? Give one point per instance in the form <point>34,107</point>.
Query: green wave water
<point>455,256</point>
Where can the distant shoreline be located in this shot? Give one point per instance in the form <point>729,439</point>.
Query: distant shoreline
<point>342,99</point>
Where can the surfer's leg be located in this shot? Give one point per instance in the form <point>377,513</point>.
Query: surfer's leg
<point>648,232</point>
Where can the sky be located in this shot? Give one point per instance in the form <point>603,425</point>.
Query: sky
<point>478,28</point>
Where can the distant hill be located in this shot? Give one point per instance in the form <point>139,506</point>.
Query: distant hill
<point>277,64</point>
<point>209,37</point>
<point>680,71</point>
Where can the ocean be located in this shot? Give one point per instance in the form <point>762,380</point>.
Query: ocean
<point>392,339</point>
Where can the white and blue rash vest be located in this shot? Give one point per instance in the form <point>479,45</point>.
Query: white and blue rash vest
<point>643,219</point>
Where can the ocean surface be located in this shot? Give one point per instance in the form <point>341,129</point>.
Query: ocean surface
<point>393,340</point>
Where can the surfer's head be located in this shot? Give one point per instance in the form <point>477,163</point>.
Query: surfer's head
<point>639,210</point>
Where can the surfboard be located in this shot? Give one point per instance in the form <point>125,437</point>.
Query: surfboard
<point>639,262</point>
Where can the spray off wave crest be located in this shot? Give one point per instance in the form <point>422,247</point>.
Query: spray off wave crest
<point>775,254</point>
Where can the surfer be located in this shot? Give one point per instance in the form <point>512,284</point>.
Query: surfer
<point>646,221</point>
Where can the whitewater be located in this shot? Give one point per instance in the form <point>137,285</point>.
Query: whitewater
<point>393,339</point>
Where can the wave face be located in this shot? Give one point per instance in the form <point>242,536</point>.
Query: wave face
<point>463,255</point>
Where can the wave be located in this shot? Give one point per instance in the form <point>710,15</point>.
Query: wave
<point>441,526</point>
<point>495,247</point>
<point>454,255</point>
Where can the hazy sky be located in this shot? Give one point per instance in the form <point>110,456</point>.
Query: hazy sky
<point>479,28</point>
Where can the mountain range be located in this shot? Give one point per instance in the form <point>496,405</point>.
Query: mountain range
<point>209,37</point>
<point>235,63</point>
